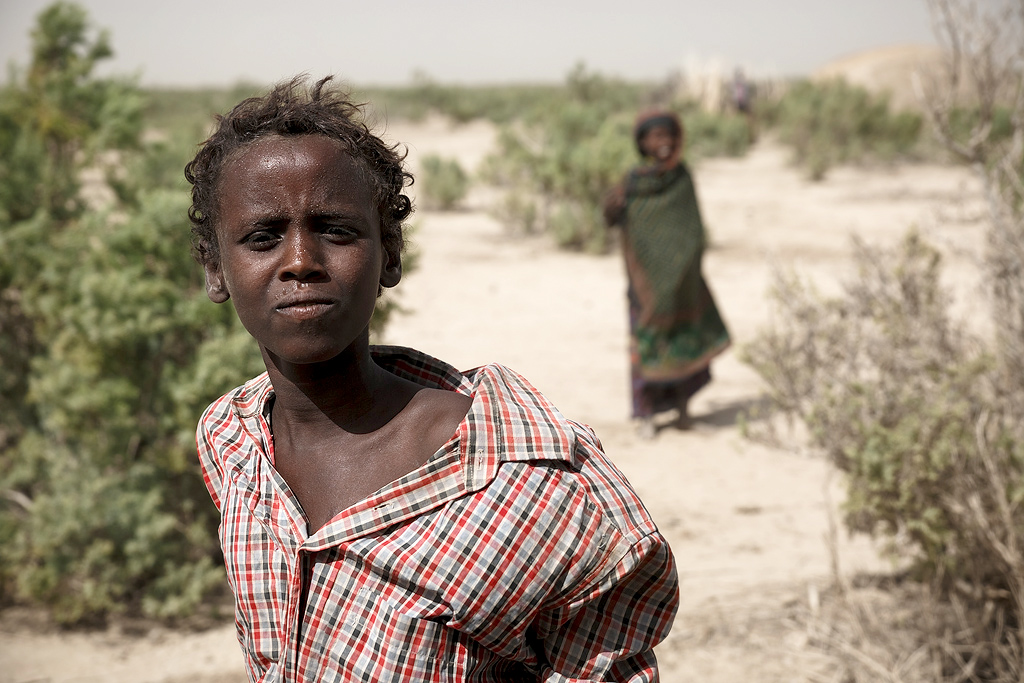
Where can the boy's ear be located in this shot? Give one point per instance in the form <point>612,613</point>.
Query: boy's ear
<point>216,289</point>
<point>391,270</point>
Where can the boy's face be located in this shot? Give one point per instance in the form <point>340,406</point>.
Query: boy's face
<point>658,143</point>
<point>300,248</point>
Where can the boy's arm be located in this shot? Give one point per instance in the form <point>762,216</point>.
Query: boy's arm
<point>608,633</point>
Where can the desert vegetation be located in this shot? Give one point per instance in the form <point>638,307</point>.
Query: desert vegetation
<point>108,349</point>
<point>557,162</point>
<point>919,410</point>
<point>559,157</point>
<point>832,122</point>
<point>444,182</point>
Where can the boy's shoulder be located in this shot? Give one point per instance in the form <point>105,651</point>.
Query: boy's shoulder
<point>501,396</point>
<point>243,401</point>
<point>513,426</point>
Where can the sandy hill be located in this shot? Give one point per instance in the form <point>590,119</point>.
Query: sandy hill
<point>888,69</point>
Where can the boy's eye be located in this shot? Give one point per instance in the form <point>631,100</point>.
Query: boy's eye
<point>339,232</point>
<point>260,240</point>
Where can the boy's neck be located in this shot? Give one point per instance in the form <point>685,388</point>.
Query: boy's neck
<point>351,391</point>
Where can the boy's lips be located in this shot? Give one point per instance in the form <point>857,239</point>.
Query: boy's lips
<point>304,306</point>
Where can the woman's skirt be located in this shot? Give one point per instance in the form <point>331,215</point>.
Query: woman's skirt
<point>668,367</point>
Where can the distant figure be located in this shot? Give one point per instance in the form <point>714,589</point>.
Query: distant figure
<point>741,96</point>
<point>675,328</point>
<point>740,93</point>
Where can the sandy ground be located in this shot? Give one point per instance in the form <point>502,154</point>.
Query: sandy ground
<point>749,524</point>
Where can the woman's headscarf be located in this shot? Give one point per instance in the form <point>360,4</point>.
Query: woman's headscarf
<point>653,118</point>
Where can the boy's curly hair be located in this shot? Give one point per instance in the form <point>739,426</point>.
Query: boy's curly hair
<point>290,109</point>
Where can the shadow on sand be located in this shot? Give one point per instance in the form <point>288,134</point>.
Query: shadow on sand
<point>728,414</point>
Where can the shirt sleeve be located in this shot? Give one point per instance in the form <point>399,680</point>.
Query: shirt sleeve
<point>608,632</point>
<point>209,462</point>
<point>605,627</point>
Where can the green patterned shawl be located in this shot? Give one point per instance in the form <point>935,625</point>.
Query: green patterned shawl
<point>678,328</point>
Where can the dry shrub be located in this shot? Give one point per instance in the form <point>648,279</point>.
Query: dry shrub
<point>904,401</point>
<point>902,632</point>
<point>924,419</point>
<point>877,630</point>
<point>833,122</point>
<point>984,74</point>
<point>445,183</point>
<point>919,416</point>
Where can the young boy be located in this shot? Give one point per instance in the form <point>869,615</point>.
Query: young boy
<point>384,516</point>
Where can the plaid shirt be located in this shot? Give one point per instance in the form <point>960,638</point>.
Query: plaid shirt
<point>517,552</point>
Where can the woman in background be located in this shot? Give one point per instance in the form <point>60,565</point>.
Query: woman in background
<point>675,327</point>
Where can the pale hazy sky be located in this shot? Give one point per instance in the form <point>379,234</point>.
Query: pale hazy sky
<point>219,42</point>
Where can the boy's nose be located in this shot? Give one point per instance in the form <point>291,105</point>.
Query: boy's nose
<point>301,259</point>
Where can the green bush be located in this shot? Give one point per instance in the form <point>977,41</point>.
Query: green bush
<point>129,354</point>
<point>58,118</point>
<point>833,122</point>
<point>556,166</point>
<point>444,183</point>
<point>912,409</point>
<point>715,135</point>
<point>518,212</point>
<point>562,178</point>
<point>109,349</point>
<point>557,163</point>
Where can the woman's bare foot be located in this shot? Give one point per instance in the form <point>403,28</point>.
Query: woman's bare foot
<point>683,421</point>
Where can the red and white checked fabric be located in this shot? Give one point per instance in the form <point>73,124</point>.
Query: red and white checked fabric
<point>518,552</point>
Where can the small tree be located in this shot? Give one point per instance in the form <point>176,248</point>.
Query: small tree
<point>52,122</point>
<point>55,117</point>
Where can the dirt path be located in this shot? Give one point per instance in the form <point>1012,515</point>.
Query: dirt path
<point>749,524</point>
